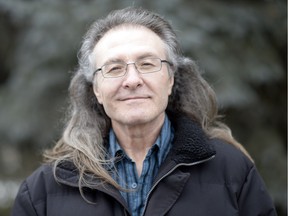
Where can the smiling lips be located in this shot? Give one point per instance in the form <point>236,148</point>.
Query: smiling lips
<point>134,98</point>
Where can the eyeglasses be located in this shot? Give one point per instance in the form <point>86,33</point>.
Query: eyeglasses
<point>143,66</point>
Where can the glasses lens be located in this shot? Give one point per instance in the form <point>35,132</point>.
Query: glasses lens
<point>114,70</point>
<point>148,65</point>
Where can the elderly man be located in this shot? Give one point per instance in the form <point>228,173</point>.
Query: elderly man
<point>143,136</point>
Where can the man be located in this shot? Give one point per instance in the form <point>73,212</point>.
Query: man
<point>143,136</point>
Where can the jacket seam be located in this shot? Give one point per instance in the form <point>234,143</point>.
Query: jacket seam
<point>245,181</point>
<point>29,196</point>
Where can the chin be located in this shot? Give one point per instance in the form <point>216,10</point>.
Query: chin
<point>136,120</point>
<point>140,118</point>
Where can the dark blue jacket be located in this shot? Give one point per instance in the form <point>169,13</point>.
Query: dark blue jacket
<point>200,177</point>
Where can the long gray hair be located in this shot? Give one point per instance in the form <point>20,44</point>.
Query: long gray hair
<point>83,137</point>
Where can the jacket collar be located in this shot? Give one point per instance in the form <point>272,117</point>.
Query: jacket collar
<point>190,145</point>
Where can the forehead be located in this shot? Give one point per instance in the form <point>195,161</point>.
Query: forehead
<point>128,43</point>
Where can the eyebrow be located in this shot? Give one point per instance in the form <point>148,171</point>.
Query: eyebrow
<point>113,60</point>
<point>147,55</point>
<point>142,56</point>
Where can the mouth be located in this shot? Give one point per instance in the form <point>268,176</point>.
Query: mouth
<point>134,98</point>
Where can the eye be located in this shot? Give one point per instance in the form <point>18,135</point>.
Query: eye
<point>114,68</point>
<point>147,63</point>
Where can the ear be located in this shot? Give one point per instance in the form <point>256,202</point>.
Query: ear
<point>97,93</point>
<point>171,84</point>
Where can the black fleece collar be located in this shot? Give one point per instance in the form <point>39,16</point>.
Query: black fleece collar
<point>190,143</point>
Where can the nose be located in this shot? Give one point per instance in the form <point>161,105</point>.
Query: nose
<point>133,79</point>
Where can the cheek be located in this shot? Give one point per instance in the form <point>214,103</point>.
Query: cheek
<point>105,91</point>
<point>164,92</point>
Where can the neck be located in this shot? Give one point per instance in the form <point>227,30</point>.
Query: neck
<point>136,140</point>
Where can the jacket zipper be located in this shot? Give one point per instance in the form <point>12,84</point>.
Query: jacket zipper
<point>168,173</point>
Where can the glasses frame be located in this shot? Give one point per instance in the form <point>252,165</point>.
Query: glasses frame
<point>161,61</point>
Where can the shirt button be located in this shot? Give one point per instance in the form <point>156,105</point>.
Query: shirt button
<point>134,185</point>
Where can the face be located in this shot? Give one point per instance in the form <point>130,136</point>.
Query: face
<point>134,99</point>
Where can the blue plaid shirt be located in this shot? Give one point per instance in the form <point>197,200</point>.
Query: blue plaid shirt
<point>126,173</point>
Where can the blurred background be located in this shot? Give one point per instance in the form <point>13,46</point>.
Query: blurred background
<point>240,46</point>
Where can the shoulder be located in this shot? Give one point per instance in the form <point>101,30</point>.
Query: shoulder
<point>242,178</point>
<point>32,194</point>
<point>230,165</point>
<point>38,184</point>
<point>227,153</point>
<point>44,174</point>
